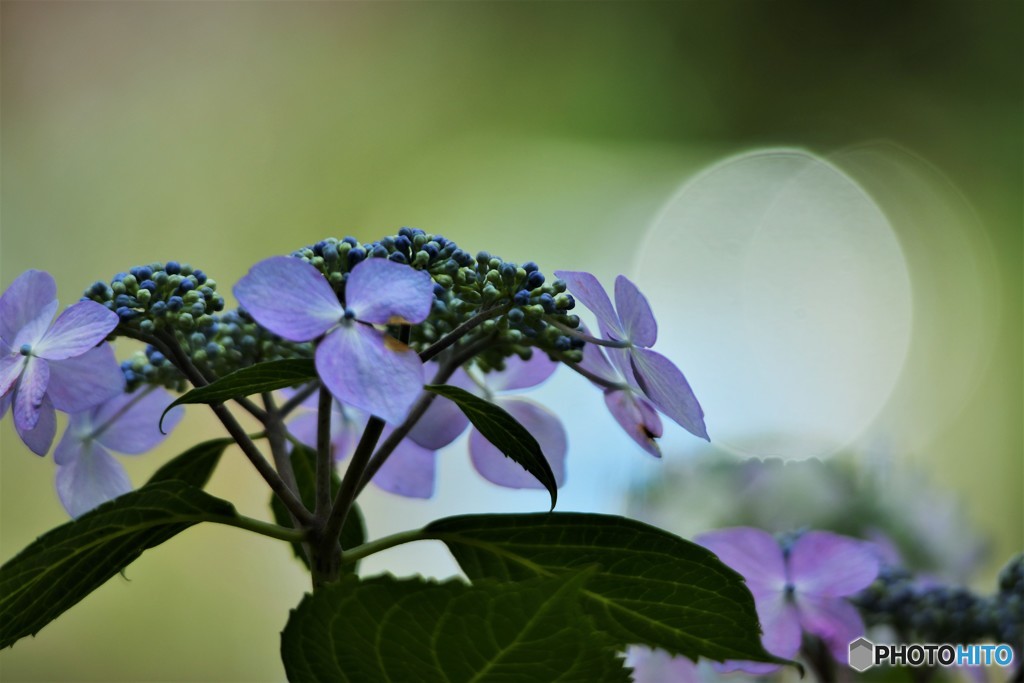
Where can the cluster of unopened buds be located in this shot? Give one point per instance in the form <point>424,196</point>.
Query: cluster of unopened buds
<point>380,321</point>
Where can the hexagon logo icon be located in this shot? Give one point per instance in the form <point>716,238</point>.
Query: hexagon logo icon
<point>862,654</point>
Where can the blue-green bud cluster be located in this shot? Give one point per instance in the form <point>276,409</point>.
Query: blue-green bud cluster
<point>929,612</point>
<point>230,341</point>
<point>159,296</point>
<point>536,310</point>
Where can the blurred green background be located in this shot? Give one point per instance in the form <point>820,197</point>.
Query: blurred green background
<point>221,133</point>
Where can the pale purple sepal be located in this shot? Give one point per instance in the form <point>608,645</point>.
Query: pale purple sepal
<point>29,302</point>
<point>89,479</point>
<point>290,298</point>
<point>835,621</point>
<point>79,328</point>
<point>134,420</point>
<point>28,396</point>
<point>11,367</point>
<point>522,374</point>
<point>635,313</point>
<point>595,362</point>
<point>444,421</point>
<point>830,565</point>
<point>345,431</point>
<point>545,427</point>
<point>40,437</point>
<point>367,369</point>
<point>383,292</point>
<point>588,291</point>
<point>753,553</point>
<point>637,417</point>
<point>663,383</point>
<point>658,666</point>
<point>79,383</point>
<point>410,471</point>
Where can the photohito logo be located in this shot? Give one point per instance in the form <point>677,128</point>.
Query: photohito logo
<point>864,654</point>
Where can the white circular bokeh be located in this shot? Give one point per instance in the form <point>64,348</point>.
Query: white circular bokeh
<point>782,292</point>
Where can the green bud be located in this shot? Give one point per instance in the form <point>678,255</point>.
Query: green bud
<point>211,283</point>
<point>562,301</point>
<point>317,262</point>
<point>185,321</point>
<point>533,312</point>
<point>419,240</point>
<point>205,321</point>
<point>143,296</point>
<point>490,294</point>
<point>117,288</point>
<point>173,281</point>
<point>335,278</point>
<point>192,297</point>
<point>444,280</point>
<point>494,264</point>
<point>421,259</point>
<point>488,326</point>
<point>494,278</point>
<point>514,336</point>
<point>199,356</point>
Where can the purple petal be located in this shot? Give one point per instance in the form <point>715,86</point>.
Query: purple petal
<point>90,479</point>
<point>826,564</point>
<point>384,292</point>
<point>40,437</point>
<point>29,394</point>
<point>635,415</point>
<point>78,432</point>
<point>290,298</point>
<point>781,636</point>
<point>11,367</point>
<point>545,427</point>
<point>833,620</point>
<point>753,553</point>
<point>409,471</point>
<point>303,427</point>
<point>589,292</point>
<point>522,374</point>
<point>665,385</point>
<point>129,423</point>
<point>79,383</point>
<point>29,302</point>
<point>444,421</point>
<point>79,328</point>
<point>364,368</point>
<point>637,319</point>
<point>658,666</point>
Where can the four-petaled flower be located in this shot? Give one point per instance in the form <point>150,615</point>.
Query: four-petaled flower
<point>630,322</point>
<point>361,365</point>
<point>44,366</point>
<point>87,475</point>
<point>799,587</point>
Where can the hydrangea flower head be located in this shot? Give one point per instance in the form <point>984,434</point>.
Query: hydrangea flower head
<point>632,322</point>
<point>360,364</point>
<point>44,366</point>
<point>87,475</point>
<point>800,587</point>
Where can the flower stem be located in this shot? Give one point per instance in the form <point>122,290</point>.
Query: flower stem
<point>598,380</point>
<point>613,343</point>
<point>456,334</point>
<point>269,474</point>
<point>323,455</point>
<point>365,550</point>
<point>262,528</point>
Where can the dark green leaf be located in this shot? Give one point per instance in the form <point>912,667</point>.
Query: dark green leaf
<point>386,629</point>
<point>255,379</point>
<point>304,465</point>
<point>502,430</point>
<point>66,564</point>
<point>194,466</point>
<point>652,588</point>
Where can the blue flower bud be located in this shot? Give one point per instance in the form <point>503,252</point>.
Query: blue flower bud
<point>403,245</point>
<point>548,302</point>
<point>432,250</point>
<point>351,241</point>
<point>172,268</point>
<point>155,357</point>
<point>199,275</point>
<point>563,343</point>
<point>212,349</point>
<point>398,257</point>
<point>123,300</point>
<point>125,314</point>
<point>439,291</point>
<point>158,308</point>
<point>483,258</point>
<point>534,280</point>
<point>530,267</point>
<point>380,251</point>
<point>187,285</point>
<point>148,285</point>
<point>175,303</point>
<point>356,255</point>
<point>147,326</point>
<point>522,298</point>
<point>516,315</point>
<point>197,309</point>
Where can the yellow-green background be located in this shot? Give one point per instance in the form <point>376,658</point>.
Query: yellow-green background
<point>220,133</point>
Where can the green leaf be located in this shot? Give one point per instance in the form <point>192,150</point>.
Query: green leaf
<point>304,465</point>
<point>66,564</point>
<point>195,466</point>
<point>386,629</point>
<point>255,379</point>
<point>505,432</point>
<point>652,587</point>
